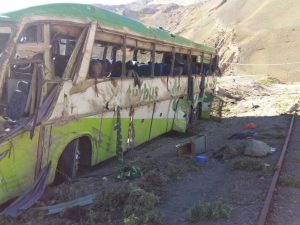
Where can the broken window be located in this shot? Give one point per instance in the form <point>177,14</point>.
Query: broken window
<point>63,41</point>
<point>5,33</point>
<point>32,34</point>
<point>103,61</point>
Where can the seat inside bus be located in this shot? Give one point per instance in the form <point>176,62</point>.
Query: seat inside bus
<point>62,48</point>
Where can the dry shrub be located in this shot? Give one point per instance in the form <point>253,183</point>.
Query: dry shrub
<point>127,205</point>
<point>208,211</point>
<point>289,181</point>
<point>249,164</point>
<point>155,180</point>
<point>268,81</point>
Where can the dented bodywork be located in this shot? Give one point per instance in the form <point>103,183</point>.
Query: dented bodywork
<point>62,102</point>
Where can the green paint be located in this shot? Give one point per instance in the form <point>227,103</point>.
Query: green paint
<point>17,168</point>
<point>17,165</point>
<point>206,103</point>
<point>104,18</point>
<point>144,93</point>
<point>182,109</point>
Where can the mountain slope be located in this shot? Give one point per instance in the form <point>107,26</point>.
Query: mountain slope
<point>248,32</point>
<point>256,31</point>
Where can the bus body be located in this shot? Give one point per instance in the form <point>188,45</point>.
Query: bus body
<point>57,107</point>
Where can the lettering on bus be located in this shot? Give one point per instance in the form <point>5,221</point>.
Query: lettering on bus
<point>145,93</point>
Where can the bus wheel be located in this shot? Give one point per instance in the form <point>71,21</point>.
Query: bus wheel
<point>68,163</point>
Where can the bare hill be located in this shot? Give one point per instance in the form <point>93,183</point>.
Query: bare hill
<point>248,32</point>
<point>260,31</point>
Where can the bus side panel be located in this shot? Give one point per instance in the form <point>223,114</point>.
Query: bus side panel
<point>108,137</point>
<point>160,119</point>
<point>142,123</point>
<point>125,119</point>
<point>210,83</point>
<point>182,111</point>
<point>17,164</point>
<point>206,103</point>
<point>171,114</point>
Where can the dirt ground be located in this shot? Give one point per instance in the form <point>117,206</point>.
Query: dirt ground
<point>171,185</point>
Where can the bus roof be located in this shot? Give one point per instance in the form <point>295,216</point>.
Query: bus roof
<point>107,19</point>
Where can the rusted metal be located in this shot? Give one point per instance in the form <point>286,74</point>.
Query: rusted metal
<point>264,212</point>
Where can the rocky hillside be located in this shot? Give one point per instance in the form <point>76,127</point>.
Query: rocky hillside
<point>248,32</point>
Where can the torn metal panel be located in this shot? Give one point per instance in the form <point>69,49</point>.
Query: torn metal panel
<point>71,67</point>
<point>88,46</point>
<point>82,201</point>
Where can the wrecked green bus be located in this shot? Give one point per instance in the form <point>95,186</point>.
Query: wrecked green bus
<point>79,82</point>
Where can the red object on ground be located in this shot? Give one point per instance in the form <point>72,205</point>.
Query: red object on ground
<point>250,126</point>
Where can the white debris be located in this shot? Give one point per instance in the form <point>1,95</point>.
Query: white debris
<point>257,148</point>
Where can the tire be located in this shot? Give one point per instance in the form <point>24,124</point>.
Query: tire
<point>68,163</point>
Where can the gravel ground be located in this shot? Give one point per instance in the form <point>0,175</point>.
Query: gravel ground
<point>243,191</point>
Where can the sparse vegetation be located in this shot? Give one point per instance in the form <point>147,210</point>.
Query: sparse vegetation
<point>249,164</point>
<point>154,180</point>
<point>215,210</point>
<point>141,204</point>
<point>289,181</point>
<point>132,205</point>
<point>268,81</point>
<point>297,159</point>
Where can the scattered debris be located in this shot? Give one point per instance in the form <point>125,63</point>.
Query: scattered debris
<point>227,152</point>
<point>250,126</point>
<point>83,201</point>
<point>256,148</point>
<point>130,173</point>
<point>273,150</point>
<point>201,159</point>
<point>195,145</point>
<point>208,211</point>
<point>244,135</point>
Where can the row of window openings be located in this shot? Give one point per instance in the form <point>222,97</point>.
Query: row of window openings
<point>106,59</point>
